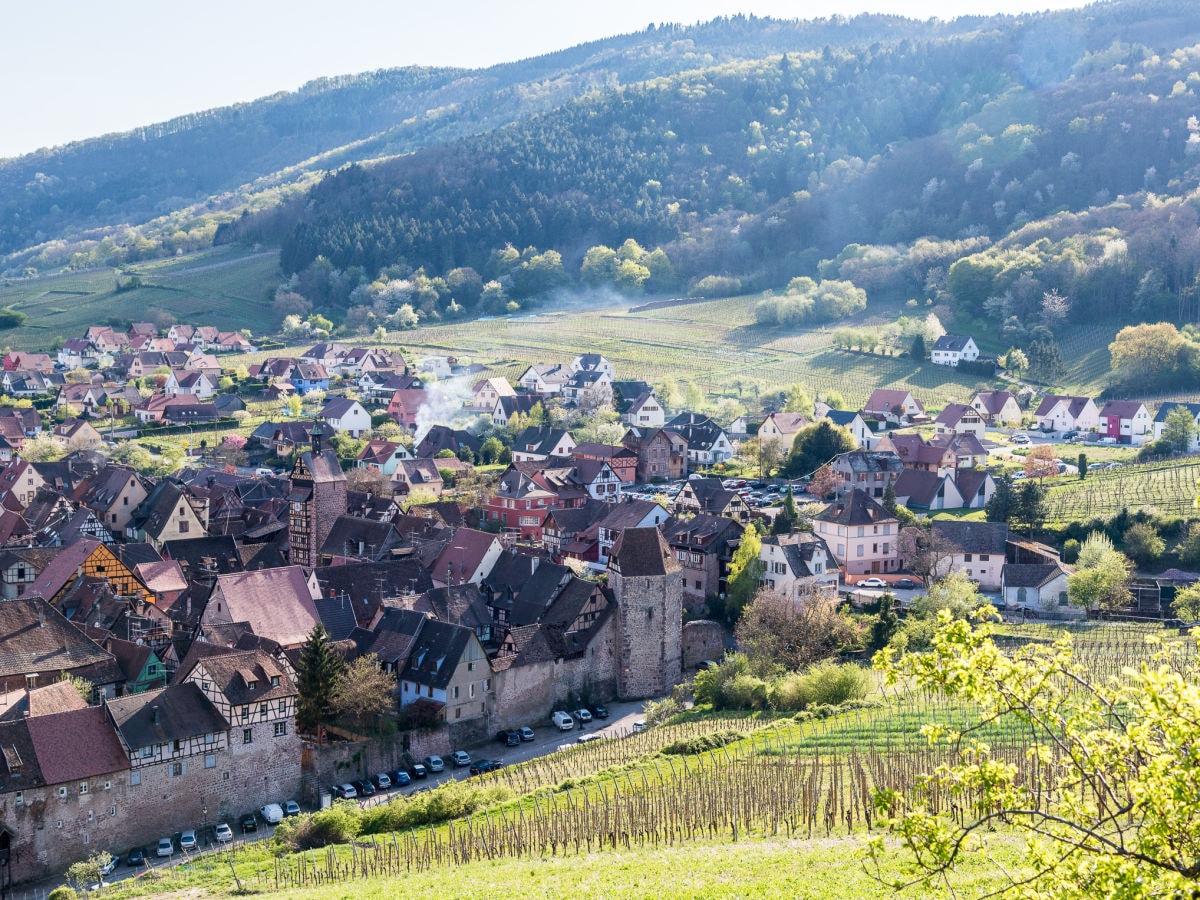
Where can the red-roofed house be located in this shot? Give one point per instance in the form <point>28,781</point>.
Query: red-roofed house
<point>894,406</point>
<point>277,603</point>
<point>1128,421</point>
<point>467,557</point>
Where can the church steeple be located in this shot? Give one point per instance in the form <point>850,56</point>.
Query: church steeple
<point>316,435</point>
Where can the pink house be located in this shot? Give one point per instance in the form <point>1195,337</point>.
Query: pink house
<point>863,537</point>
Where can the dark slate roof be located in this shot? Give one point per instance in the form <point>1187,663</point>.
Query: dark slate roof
<point>131,657</point>
<point>970,482</point>
<point>436,652</point>
<point>973,537</point>
<point>459,604</point>
<point>362,538</point>
<point>534,597</point>
<point>214,555</point>
<point>856,508</point>
<point>367,584</point>
<point>337,615</point>
<point>133,555</point>
<point>324,466</point>
<point>577,519</point>
<point>393,637</point>
<point>702,532</point>
<point>953,342</point>
<point>641,552</point>
<point>919,487</point>
<point>1165,410</point>
<point>182,712</point>
<point>75,745</point>
<point>1017,575</point>
<point>19,769</point>
<point>842,417</point>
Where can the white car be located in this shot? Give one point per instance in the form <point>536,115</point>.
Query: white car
<point>461,758</point>
<point>224,833</point>
<point>187,840</point>
<point>165,847</point>
<point>872,583</point>
<point>272,813</point>
<point>1020,438</point>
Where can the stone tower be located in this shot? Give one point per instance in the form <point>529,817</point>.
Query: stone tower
<point>318,497</point>
<point>646,583</point>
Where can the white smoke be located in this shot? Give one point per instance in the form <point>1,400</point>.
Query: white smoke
<point>444,401</point>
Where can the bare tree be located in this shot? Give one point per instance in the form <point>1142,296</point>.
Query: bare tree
<point>777,631</point>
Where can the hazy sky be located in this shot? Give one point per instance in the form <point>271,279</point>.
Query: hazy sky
<point>72,70</point>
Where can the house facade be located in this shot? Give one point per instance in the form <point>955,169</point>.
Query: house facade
<point>950,350</point>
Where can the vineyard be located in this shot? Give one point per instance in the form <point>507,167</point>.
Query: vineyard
<point>1167,488</point>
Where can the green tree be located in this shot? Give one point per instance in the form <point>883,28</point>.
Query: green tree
<point>798,400</point>
<point>599,266</point>
<point>318,673</point>
<point>364,691</point>
<point>86,872</point>
<point>788,517</point>
<point>917,350</point>
<point>1031,506</point>
<point>1113,813</point>
<point>1186,604</point>
<point>885,625</point>
<point>1082,464</point>
<point>1189,547</point>
<point>889,499</point>
<point>745,571</point>
<point>490,450</point>
<point>816,444</point>
<point>1142,543</point>
<point>1101,577</point>
<point>1179,430</point>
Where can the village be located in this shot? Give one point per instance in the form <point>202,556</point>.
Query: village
<point>498,581</point>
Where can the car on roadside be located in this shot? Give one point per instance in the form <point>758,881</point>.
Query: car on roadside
<point>527,733</point>
<point>291,808</point>
<point>166,847</point>
<point>1021,438</point>
<point>272,813</point>
<point>249,823</point>
<point>401,778</point>
<point>582,716</point>
<point>461,758</point>
<point>382,781</point>
<point>136,857</point>
<point>345,791</point>
<point>108,867</point>
<point>435,763</point>
<point>418,770</point>
<point>600,711</point>
<point>481,766</point>
<point>639,726</point>
<point>587,738</point>
<point>223,833</point>
<point>906,584</point>
<point>872,583</point>
<point>364,787</point>
<point>187,840</point>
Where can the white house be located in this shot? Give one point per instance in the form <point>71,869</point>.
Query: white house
<point>346,416</point>
<point>1061,413</point>
<point>997,407</point>
<point>950,350</point>
<point>1040,588</point>
<point>1160,421</point>
<point>798,564</point>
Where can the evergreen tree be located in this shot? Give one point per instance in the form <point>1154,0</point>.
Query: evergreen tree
<point>918,347</point>
<point>1031,505</point>
<point>886,624</point>
<point>1002,506</point>
<point>1082,464</point>
<point>889,499</point>
<point>789,515</point>
<point>318,675</point>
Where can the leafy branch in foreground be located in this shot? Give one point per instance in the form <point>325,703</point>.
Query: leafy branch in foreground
<point>1111,806</point>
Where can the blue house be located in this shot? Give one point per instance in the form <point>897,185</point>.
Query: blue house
<point>310,376</point>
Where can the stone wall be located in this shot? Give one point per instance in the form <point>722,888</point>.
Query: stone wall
<point>341,761</point>
<point>702,640</point>
<point>650,610</point>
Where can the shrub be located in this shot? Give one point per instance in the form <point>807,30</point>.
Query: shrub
<point>825,684</point>
<point>744,691</point>
<point>338,824</point>
<point>63,892</point>
<point>658,711</point>
<point>701,743</point>
<point>450,801</point>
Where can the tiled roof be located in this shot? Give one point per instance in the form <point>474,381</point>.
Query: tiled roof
<point>35,637</point>
<point>161,576</point>
<point>436,652</point>
<point>276,602</point>
<point>177,712</point>
<point>856,508</point>
<point>75,745</point>
<point>641,552</point>
<point>234,672</point>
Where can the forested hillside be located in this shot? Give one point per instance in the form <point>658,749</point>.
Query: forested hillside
<point>173,182</point>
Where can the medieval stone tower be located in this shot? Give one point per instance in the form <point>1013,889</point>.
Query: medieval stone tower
<point>318,497</point>
<point>646,583</point>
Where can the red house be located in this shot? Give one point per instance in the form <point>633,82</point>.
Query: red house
<point>527,492</point>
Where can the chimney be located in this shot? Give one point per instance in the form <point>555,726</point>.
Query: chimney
<point>154,713</point>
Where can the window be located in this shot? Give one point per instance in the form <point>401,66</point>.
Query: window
<point>487,684</point>
<point>176,745</point>
<point>274,681</point>
<point>458,712</point>
<point>966,557</point>
<point>983,557</point>
<point>62,792</point>
<point>280,729</point>
<point>176,770</point>
<point>112,810</point>
<point>456,692</point>
<point>183,527</point>
<point>20,798</point>
<point>247,735</point>
<point>471,690</point>
<point>210,738</point>
<point>135,777</point>
<point>470,667</point>
<point>210,760</point>
<point>83,787</point>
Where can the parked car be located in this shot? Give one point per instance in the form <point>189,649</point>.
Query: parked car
<point>461,758</point>
<point>291,808</point>
<point>223,832</point>
<point>600,711</point>
<point>527,733</point>
<point>582,716</point>
<point>382,781</point>
<point>364,787</point>
<point>435,763</point>
<point>508,738</point>
<point>272,813</point>
<point>401,778</point>
<point>1020,438</point>
<point>563,720</point>
<point>485,765</point>
<point>639,725</point>
<point>136,857</point>
<point>165,847</point>
<point>905,583</point>
<point>187,840</point>
<point>345,791</point>
<point>418,770</point>
<point>587,738</point>
<point>872,583</point>
<point>249,824</point>
<point>107,869</point>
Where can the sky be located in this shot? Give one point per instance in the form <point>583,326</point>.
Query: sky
<point>71,69</point>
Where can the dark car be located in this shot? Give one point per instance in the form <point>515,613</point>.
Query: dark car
<point>136,857</point>
<point>905,583</point>
<point>400,778</point>
<point>417,770</point>
<point>364,788</point>
<point>509,738</point>
<point>249,824</point>
<point>600,711</point>
<point>485,765</point>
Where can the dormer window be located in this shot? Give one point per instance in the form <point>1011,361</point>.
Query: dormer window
<point>274,681</point>
<point>252,684</point>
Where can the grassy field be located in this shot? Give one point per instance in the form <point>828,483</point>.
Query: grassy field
<point>227,286</point>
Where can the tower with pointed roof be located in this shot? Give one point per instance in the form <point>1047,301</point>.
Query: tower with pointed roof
<point>645,580</point>
<point>317,498</point>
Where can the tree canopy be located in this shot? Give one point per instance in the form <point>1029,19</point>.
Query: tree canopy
<point>817,444</point>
